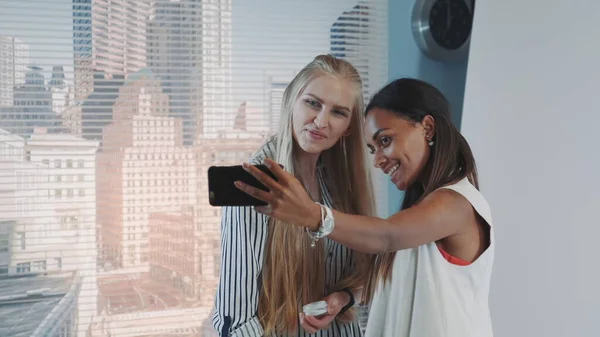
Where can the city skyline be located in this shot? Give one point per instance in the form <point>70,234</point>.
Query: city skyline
<point>106,142</point>
<point>251,38</point>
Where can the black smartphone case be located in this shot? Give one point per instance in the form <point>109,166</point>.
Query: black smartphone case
<point>222,191</point>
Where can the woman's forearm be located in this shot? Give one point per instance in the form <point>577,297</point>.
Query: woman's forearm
<point>442,214</point>
<point>364,234</point>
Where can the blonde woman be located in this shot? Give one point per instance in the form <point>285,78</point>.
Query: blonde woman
<point>269,270</point>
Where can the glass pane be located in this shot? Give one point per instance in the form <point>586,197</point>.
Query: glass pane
<point>111,111</point>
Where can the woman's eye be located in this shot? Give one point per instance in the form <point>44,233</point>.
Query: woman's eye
<point>312,103</point>
<point>339,112</point>
<point>385,141</point>
<point>371,150</point>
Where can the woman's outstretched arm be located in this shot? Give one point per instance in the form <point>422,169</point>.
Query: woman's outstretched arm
<point>441,214</point>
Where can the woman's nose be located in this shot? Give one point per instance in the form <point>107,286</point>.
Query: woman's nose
<point>379,160</point>
<point>321,119</point>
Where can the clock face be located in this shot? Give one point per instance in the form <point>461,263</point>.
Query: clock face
<point>450,23</point>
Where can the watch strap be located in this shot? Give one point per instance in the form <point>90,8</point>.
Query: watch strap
<point>350,304</point>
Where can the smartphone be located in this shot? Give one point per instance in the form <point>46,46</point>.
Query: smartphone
<point>316,309</point>
<point>222,191</point>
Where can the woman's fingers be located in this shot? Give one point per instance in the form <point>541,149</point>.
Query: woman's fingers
<point>319,322</point>
<point>279,172</point>
<point>254,192</point>
<point>264,178</point>
<point>306,325</point>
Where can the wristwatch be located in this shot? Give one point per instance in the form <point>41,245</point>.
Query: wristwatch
<point>327,222</point>
<point>325,226</point>
<point>350,303</point>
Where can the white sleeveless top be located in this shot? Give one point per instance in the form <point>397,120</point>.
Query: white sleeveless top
<point>427,296</point>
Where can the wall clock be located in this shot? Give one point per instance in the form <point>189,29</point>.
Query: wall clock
<point>442,28</point>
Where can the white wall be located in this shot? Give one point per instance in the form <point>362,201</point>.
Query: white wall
<point>531,113</point>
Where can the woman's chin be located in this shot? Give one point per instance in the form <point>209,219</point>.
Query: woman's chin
<point>401,184</point>
<point>313,148</point>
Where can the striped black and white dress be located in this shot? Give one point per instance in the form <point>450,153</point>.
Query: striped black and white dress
<point>243,239</point>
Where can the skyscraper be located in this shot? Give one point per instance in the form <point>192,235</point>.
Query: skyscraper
<point>32,106</point>
<point>174,48</point>
<point>58,77</point>
<point>14,59</point>
<point>97,108</point>
<point>119,36</point>
<point>82,48</point>
<point>143,168</point>
<point>219,112</point>
<point>189,49</point>
<point>109,42</point>
<point>61,94</point>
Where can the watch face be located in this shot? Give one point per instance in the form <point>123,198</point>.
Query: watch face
<point>450,22</point>
<point>328,225</point>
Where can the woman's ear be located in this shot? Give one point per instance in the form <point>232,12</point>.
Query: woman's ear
<point>428,123</point>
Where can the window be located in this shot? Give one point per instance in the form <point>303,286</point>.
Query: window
<point>21,240</point>
<point>152,95</point>
<point>39,266</point>
<point>4,240</point>
<point>24,267</point>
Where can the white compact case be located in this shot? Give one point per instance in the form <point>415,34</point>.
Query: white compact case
<point>315,308</point>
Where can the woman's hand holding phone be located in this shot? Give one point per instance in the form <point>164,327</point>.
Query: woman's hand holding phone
<point>335,303</point>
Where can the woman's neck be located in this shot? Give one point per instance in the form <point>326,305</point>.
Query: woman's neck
<point>306,165</point>
<point>425,176</point>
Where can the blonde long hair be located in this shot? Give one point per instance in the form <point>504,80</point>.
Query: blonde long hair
<point>293,272</point>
